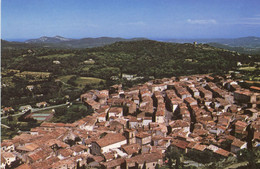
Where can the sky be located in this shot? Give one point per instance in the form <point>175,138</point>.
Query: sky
<point>154,19</point>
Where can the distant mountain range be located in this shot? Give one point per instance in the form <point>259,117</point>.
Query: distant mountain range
<point>45,39</point>
<point>244,45</point>
<point>249,42</point>
<point>59,41</point>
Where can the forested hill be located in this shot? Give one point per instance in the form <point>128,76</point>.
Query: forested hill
<point>159,59</point>
<point>80,70</point>
<point>17,45</point>
<point>65,43</point>
<point>141,58</point>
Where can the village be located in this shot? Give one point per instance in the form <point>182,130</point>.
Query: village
<point>133,128</point>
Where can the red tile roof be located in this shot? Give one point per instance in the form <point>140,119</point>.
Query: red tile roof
<point>237,143</point>
<point>110,138</point>
<point>222,152</point>
<point>24,166</point>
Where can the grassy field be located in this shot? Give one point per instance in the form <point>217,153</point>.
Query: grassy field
<point>86,68</point>
<point>8,81</point>
<point>65,78</point>
<point>248,68</point>
<point>57,56</point>
<point>82,81</point>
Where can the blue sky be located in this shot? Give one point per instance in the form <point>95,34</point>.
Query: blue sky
<point>156,19</point>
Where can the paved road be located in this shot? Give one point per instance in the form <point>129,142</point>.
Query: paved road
<point>193,163</point>
<point>236,165</point>
<point>5,126</point>
<point>21,113</point>
<point>35,110</point>
<point>46,108</point>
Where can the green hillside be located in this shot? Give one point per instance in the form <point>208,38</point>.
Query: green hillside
<point>159,59</point>
<point>101,67</point>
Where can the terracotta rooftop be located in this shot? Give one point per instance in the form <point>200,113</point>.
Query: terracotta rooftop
<point>131,148</point>
<point>24,166</point>
<point>65,152</point>
<point>257,136</point>
<point>28,147</point>
<point>142,135</point>
<point>8,155</point>
<point>179,123</point>
<point>38,155</point>
<point>237,143</point>
<point>116,110</point>
<point>149,157</point>
<point>58,142</point>
<point>114,163</point>
<point>110,138</point>
<point>222,152</point>
<point>199,147</point>
<point>180,143</point>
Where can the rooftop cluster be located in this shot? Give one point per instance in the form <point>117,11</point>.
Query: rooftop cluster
<point>134,127</point>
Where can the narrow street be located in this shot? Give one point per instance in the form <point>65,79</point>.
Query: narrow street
<point>168,116</point>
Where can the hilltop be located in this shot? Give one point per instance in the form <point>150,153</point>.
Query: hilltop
<point>160,59</point>
<point>250,45</point>
<point>62,42</point>
<point>250,41</point>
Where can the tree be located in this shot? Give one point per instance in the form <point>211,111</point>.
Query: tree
<point>250,156</point>
<point>10,118</point>
<point>173,154</point>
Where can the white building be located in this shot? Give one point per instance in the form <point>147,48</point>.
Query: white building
<point>108,142</point>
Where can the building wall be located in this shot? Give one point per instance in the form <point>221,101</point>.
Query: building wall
<point>113,146</point>
<point>115,114</point>
<point>95,149</point>
<point>160,119</point>
<point>151,165</point>
<point>8,149</point>
<point>89,128</point>
<point>143,141</point>
<point>196,93</point>
<point>174,107</point>
<point>137,102</point>
<point>132,124</point>
<point>101,119</point>
<point>241,98</point>
<point>235,149</point>
<point>146,122</point>
<point>10,160</point>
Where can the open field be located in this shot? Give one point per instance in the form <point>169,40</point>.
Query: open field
<point>82,81</point>
<point>8,81</point>
<point>86,68</point>
<point>65,78</point>
<point>248,68</point>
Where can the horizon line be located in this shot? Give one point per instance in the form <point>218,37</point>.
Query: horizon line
<point>149,38</point>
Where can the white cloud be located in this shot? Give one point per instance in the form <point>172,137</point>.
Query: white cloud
<point>254,20</point>
<point>202,21</point>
